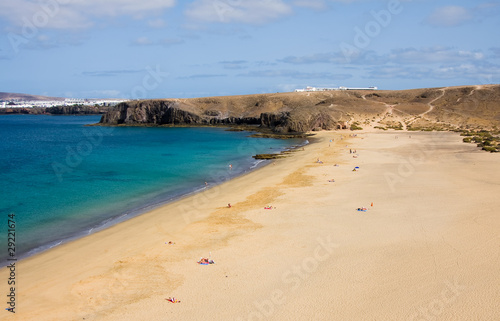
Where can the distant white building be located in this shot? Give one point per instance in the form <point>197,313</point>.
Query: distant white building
<point>309,89</point>
<point>66,102</point>
<point>358,88</point>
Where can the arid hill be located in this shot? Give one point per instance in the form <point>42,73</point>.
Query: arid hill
<point>13,96</point>
<point>468,107</point>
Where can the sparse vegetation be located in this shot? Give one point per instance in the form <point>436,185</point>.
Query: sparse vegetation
<point>398,126</point>
<point>484,139</point>
<point>355,126</point>
<point>490,149</point>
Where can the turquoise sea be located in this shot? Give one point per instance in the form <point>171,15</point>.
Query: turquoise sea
<point>64,180</point>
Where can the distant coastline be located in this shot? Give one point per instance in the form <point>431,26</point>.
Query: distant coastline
<point>460,108</point>
<point>56,110</point>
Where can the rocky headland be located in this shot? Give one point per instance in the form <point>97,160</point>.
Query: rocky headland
<point>447,108</point>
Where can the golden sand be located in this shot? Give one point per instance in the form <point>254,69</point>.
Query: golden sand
<point>428,248</point>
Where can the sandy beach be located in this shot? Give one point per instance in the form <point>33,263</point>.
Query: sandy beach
<point>426,248</point>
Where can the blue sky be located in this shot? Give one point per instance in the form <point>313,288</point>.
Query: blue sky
<point>176,49</point>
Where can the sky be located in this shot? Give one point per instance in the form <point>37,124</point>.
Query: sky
<point>182,49</point>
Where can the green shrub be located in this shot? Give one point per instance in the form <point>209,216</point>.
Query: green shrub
<point>490,149</point>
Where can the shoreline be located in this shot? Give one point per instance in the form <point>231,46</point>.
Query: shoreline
<point>150,205</point>
<point>392,261</point>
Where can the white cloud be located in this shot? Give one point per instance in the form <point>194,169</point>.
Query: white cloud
<point>226,11</point>
<point>312,4</point>
<point>433,55</point>
<point>294,74</point>
<point>198,76</point>
<point>74,14</point>
<point>363,57</point>
<point>157,23</point>
<point>145,41</point>
<point>478,72</point>
<point>110,73</point>
<point>496,52</point>
<point>106,93</point>
<point>235,64</point>
<point>142,41</point>
<point>450,16</point>
<point>430,55</point>
<point>170,41</point>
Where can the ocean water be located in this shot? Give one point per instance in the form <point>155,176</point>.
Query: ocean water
<point>62,179</point>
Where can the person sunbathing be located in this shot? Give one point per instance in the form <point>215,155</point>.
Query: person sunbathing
<point>205,261</point>
<point>173,300</point>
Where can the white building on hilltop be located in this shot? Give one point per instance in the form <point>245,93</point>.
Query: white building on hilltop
<point>310,89</point>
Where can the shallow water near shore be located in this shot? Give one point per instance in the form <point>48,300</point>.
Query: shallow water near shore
<point>63,180</point>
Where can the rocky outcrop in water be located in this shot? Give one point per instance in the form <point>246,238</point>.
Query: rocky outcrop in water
<point>164,112</point>
<point>153,112</point>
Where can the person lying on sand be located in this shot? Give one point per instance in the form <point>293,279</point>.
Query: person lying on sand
<point>331,180</point>
<point>173,300</point>
<point>206,261</point>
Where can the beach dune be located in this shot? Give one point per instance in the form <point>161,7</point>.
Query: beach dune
<point>426,248</point>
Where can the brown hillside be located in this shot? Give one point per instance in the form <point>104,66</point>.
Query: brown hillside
<point>15,96</point>
<point>475,107</point>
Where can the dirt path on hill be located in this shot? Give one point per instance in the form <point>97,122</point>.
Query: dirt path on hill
<point>431,107</point>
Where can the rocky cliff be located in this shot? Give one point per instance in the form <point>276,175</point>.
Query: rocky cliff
<point>446,108</point>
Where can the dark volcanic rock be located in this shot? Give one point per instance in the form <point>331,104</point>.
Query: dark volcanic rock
<point>165,112</point>
<point>154,112</point>
<point>57,110</point>
<point>74,110</point>
<point>158,112</point>
<point>287,122</point>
